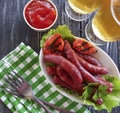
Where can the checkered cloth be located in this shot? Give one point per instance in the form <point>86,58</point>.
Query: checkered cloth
<point>25,62</point>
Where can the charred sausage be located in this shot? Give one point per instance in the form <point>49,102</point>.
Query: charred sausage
<point>70,54</point>
<point>63,75</point>
<point>92,68</point>
<point>90,59</point>
<point>69,67</point>
<point>58,81</point>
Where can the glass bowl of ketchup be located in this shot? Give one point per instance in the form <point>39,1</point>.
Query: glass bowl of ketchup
<point>40,15</point>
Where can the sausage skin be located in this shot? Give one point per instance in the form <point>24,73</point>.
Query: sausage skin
<point>93,69</point>
<point>58,81</point>
<point>69,67</point>
<point>90,59</point>
<point>71,55</point>
<point>63,75</point>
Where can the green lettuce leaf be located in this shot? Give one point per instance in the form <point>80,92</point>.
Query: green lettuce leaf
<point>61,29</point>
<point>110,100</point>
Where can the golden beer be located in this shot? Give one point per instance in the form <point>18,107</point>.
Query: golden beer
<point>85,6</point>
<point>104,25</point>
<point>115,8</point>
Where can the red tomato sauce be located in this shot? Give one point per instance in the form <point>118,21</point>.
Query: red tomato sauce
<point>40,13</point>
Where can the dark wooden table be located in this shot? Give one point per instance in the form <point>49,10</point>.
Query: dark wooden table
<point>13,31</point>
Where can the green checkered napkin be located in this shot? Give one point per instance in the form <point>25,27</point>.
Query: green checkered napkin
<point>26,63</point>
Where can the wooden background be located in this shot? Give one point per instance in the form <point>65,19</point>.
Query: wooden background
<point>13,31</point>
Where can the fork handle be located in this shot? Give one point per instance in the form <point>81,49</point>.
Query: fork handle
<point>61,110</point>
<point>41,104</point>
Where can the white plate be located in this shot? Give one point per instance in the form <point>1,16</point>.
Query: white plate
<point>103,58</point>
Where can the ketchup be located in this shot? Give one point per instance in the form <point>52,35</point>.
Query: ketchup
<point>40,13</point>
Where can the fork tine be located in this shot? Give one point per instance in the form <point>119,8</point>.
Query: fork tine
<point>10,81</point>
<point>13,92</point>
<point>5,86</point>
<point>20,78</point>
<point>15,79</point>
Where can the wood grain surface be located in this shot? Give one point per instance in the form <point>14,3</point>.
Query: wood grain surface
<point>14,30</point>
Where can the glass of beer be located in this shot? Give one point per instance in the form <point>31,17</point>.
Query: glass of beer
<point>115,9</point>
<point>105,25</point>
<point>80,10</point>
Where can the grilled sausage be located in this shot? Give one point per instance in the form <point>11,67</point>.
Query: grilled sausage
<point>93,69</point>
<point>70,54</point>
<point>69,67</point>
<point>58,81</point>
<point>90,59</point>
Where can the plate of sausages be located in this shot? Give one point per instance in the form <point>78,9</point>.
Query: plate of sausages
<point>69,67</point>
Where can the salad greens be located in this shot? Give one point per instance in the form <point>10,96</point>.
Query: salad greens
<point>61,29</point>
<point>109,99</point>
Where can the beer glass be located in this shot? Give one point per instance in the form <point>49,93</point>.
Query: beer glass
<point>105,25</point>
<point>115,9</point>
<point>80,10</point>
